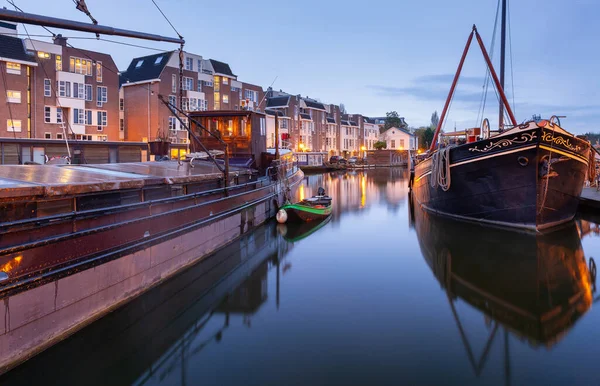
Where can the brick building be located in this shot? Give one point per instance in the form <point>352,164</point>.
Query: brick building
<point>53,90</point>
<point>207,85</point>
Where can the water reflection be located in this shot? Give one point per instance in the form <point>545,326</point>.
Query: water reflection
<point>353,301</point>
<point>355,191</point>
<point>533,286</point>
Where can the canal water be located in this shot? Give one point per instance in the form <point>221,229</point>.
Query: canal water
<point>381,294</point>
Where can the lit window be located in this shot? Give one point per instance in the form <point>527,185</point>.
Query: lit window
<point>13,96</point>
<point>217,105</point>
<point>13,125</point>
<point>217,83</point>
<point>80,66</point>
<point>47,114</point>
<point>225,98</point>
<point>225,80</point>
<point>47,88</point>
<point>99,72</point>
<point>13,68</point>
<point>58,63</point>
<point>43,55</point>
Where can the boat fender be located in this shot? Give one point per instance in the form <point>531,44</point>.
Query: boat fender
<point>523,161</point>
<point>281,216</point>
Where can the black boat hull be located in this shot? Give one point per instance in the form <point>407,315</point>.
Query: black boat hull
<point>531,177</point>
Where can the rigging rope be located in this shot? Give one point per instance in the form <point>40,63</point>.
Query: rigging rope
<point>167,19</point>
<point>512,78</point>
<point>440,169</point>
<point>487,78</point>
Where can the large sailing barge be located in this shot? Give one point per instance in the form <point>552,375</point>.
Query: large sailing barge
<point>525,176</point>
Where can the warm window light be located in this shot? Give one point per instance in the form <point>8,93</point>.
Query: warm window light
<point>363,148</point>
<point>43,55</point>
<point>301,146</point>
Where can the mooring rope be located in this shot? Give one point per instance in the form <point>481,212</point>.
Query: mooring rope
<point>440,169</point>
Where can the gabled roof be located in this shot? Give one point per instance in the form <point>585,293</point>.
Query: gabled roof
<point>330,120</point>
<point>273,112</point>
<point>278,102</point>
<point>150,68</point>
<point>400,129</point>
<point>314,105</point>
<point>305,116</point>
<point>221,68</point>
<point>13,48</point>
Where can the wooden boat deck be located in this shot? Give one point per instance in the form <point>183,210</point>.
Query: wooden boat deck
<point>59,180</point>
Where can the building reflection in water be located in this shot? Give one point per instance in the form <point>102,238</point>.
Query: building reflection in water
<point>353,191</point>
<point>534,286</point>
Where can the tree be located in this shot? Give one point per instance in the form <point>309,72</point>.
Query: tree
<point>380,145</point>
<point>435,120</point>
<point>425,135</point>
<point>392,119</point>
<point>342,108</point>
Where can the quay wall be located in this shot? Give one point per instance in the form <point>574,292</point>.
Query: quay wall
<point>39,317</point>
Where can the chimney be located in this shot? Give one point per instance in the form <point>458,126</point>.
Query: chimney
<point>60,40</point>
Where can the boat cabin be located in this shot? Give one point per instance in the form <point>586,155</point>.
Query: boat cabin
<point>460,137</point>
<point>243,131</point>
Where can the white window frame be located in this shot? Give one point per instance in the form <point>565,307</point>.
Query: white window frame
<point>13,68</point>
<point>79,116</point>
<point>173,100</point>
<point>189,64</point>
<point>102,116</point>
<point>99,71</point>
<point>173,83</point>
<point>47,114</point>
<point>88,117</point>
<point>47,88</point>
<point>13,125</point>
<point>47,135</point>
<point>172,123</point>
<point>13,98</point>
<point>89,93</point>
<point>59,115</point>
<point>102,95</point>
<point>225,98</point>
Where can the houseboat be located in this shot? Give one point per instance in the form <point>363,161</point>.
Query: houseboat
<point>78,241</point>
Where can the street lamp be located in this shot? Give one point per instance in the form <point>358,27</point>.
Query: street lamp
<point>363,148</point>
<point>301,147</point>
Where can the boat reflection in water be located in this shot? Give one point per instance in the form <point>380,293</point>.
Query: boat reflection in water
<point>156,335</point>
<point>535,286</point>
<point>293,232</point>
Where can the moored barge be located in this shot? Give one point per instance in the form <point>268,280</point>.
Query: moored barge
<point>78,241</point>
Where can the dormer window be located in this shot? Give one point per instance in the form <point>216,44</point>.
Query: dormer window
<point>158,60</point>
<point>139,63</point>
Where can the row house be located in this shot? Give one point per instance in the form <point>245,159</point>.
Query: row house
<point>349,136</point>
<point>53,90</point>
<point>207,84</point>
<point>370,133</point>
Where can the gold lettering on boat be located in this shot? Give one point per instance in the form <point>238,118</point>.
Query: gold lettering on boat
<point>559,140</point>
<point>519,139</point>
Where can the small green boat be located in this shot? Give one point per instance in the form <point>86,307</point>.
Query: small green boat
<point>315,208</point>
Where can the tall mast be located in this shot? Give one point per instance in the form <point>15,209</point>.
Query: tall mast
<point>502,60</point>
